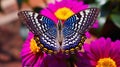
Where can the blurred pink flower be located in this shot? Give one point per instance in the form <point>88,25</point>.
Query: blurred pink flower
<point>96,24</point>
<point>103,52</point>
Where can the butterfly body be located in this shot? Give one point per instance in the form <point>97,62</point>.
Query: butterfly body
<point>59,34</point>
<point>67,37</point>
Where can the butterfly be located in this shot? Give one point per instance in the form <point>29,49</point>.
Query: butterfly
<point>67,37</point>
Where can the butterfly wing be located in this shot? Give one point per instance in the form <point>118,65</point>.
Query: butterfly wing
<point>76,26</point>
<point>43,27</point>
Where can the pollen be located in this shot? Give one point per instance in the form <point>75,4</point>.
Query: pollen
<point>106,62</point>
<point>63,13</point>
<point>33,46</point>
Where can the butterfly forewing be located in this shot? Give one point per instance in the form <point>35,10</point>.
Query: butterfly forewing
<point>76,26</point>
<point>41,26</point>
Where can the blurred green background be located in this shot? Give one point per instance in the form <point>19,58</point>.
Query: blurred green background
<point>13,32</point>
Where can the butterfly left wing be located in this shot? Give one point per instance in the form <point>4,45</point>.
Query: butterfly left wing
<point>43,27</point>
<point>75,28</point>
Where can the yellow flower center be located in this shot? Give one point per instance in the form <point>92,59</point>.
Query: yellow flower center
<point>106,62</point>
<point>63,13</point>
<point>33,46</point>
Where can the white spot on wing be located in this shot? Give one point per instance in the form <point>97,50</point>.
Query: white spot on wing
<point>52,45</point>
<point>41,18</point>
<point>38,24</point>
<point>43,26</point>
<point>48,43</point>
<point>82,14</point>
<point>30,13</point>
<point>70,42</point>
<point>87,11</point>
<point>80,21</point>
<point>66,44</point>
<point>35,15</point>
<point>76,17</point>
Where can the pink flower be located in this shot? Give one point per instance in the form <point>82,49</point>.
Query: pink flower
<point>103,52</point>
<point>73,5</point>
<point>28,57</point>
<point>96,24</point>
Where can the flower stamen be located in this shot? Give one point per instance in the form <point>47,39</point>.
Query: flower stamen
<point>106,62</point>
<point>33,46</point>
<point>63,13</point>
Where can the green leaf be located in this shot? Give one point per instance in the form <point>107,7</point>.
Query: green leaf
<point>116,19</point>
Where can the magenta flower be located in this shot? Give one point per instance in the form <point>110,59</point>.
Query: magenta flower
<point>103,53</point>
<point>58,60</point>
<point>64,7</point>
<point>95,25</point>
<point>31,56</point>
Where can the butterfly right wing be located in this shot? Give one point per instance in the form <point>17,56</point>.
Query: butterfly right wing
<point>43,27</point>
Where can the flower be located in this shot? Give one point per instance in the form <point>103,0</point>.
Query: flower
<point>103,53</point>
<point>63,9</point>
<point>95,25</point>
<point>30,54</point>
<point>58,60</point>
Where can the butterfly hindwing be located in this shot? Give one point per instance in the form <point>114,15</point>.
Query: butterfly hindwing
<point>41,26</point>
<point>76,26</point>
